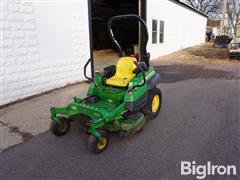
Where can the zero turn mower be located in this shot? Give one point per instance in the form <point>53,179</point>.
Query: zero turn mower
<point>121,98</point>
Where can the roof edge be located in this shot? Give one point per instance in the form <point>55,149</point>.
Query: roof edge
<point>189,7</point>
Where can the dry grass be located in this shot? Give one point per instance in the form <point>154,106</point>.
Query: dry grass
<point>201,54</point>
<point>204,53</point>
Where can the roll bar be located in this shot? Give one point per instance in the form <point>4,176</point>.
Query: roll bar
<point>85,71</point>
<point>143,46</point>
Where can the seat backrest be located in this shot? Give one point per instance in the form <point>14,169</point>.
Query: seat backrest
<point>125,67</point>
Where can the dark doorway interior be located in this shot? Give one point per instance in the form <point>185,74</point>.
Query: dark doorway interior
<point>126,32</point>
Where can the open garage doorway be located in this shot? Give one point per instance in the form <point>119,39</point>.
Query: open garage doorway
<point>126,32</point>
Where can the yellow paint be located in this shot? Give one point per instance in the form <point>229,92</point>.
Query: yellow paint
<point>155,103</point>
<point>103,144</point>
<point>124,72</point>
<point>62,128</point>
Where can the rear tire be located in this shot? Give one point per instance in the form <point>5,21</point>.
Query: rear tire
<point>154,102</point>
<point>95,146</point>
<point>60,130</point>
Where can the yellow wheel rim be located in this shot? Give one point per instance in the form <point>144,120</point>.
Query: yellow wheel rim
<point>62,128</point>
<point>155,103</point>
<point>102,146</point>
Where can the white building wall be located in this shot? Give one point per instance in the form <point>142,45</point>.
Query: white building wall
<point>44,45</point>
<point>183,27</point>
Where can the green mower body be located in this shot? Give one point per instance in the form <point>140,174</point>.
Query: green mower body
<point>109,108</point>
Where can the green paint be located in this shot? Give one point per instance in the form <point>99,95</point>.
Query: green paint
<point>107,112</point>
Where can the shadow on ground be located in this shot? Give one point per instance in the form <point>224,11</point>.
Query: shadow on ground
<point>180,72</point>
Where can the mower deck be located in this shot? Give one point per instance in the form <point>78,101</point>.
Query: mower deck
<point>96,111</point>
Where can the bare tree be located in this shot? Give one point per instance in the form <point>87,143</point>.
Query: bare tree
<point>233,13</point>
<point>212,8</point>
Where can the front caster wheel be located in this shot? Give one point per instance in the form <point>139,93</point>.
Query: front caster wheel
<point>95,146</point>
<point>60,130</point>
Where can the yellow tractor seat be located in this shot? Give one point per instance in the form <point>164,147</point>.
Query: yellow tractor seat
<point>124,72</point>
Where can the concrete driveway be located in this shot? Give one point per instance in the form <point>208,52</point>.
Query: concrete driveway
<point>199,121</point>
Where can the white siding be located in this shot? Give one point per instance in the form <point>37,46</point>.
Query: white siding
<point>44,46</point>
<point>183,27</point>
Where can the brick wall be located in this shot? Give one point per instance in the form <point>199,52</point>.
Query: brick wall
<point>26,67</point>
